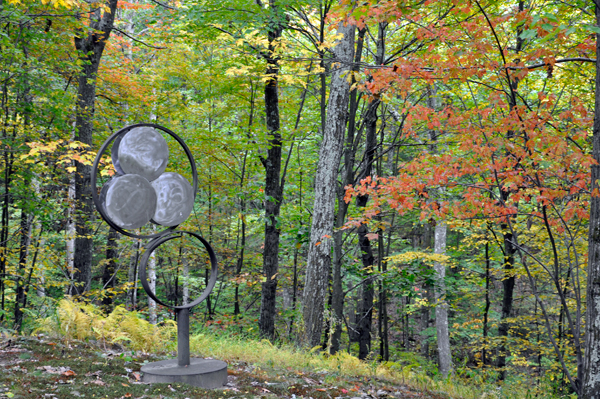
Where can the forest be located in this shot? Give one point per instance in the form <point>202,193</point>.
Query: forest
<point>387,178</point>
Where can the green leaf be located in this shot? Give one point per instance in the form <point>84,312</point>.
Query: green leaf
<point>528,34</point>
<point>548,27</point>
<point>592,28</point>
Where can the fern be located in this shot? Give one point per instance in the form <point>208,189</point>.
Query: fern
<point>81,321</point>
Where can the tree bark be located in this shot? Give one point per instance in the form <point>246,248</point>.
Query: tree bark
<point>109,277</point>
<point>441,306</point>
<point>273,186</point>
<point>318,263</point>
<point>365,323</point>
<point>90,45</point>
<point>439,247</point>
<point>591,382</point>
<point>337,291</point>
<point>26,221</point>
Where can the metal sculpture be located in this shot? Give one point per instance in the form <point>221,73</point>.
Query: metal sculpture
<point>141,192</point>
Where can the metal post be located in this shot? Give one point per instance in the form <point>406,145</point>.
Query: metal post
<point>183,337</point>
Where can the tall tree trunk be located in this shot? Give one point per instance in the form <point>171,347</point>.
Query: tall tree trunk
<point>273,186</point>
<point>318,263</point>
<point>337,294</point>
<point>366,308</point>
<point>591,374</point>
<point>90,43</point>
<point>439,247</point>
<point>508,282</point>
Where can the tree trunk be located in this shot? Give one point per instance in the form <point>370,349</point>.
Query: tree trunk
<point>273,186</point>
<point>152,318</point>
<point>425,311</point>
<point>439,247</point>
<point>90,44</point>
<point>337,290</point>
<point>70,232</point>
<point>132,276</point>
<point>591,382</point>
<point>26,221</point>
<point>109,276</point>
<point>486,310</point>
<point>441,306</point>
<point>508,284</point>
<point>318,263</point>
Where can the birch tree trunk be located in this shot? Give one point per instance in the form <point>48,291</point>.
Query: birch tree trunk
<point>439,247</point>
<point>591,373</point>
<point>152,283</point>
<point>70,251</point>
<point>319,253</point>
<point>441,306</point>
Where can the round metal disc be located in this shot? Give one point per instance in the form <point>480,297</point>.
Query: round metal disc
<point>143,151</point>
<point>129,201</point>
<point>175,199</point>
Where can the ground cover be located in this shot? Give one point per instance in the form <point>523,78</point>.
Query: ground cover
<point>44,367</point>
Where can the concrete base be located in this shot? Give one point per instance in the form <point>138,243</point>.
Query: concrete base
<point>203,373</point>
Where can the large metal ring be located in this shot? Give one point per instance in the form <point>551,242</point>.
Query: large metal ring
<point>118,135</point>
<point>154,244</point>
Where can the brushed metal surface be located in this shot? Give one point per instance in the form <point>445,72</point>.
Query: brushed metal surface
<point>129,201</point>
<point>143,151</point>
<point>175,199</point>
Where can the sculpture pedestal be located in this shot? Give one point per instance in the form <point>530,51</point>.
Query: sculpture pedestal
<point>203,373</point>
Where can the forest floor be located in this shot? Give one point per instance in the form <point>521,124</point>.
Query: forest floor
<point>40,367</point>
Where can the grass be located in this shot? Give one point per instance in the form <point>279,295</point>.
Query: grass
<point>97,360</point>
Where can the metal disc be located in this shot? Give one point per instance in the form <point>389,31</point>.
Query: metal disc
<point>129,201</point>
<point>143,151</point>
<point>175,199</point>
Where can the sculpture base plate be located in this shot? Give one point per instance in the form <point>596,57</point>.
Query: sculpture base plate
<point>203,373</point>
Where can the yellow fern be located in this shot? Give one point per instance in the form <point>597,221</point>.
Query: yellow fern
<point>75,320</point>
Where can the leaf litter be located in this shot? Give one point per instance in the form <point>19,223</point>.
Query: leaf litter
<point>86,370</point>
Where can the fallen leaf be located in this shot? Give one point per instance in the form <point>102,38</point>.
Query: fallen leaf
<point>125,385</point>
<point>137,376</point>
<point>99,382</point>
<point>69,373</point>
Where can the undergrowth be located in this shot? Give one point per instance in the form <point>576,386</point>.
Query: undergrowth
<point>81,321</point>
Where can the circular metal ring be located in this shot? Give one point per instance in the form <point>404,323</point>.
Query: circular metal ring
<point>118,135</point>
<point>155,243</point>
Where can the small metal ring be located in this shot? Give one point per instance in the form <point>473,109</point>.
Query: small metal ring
<point>103,148</point>
<point>155,243</point>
